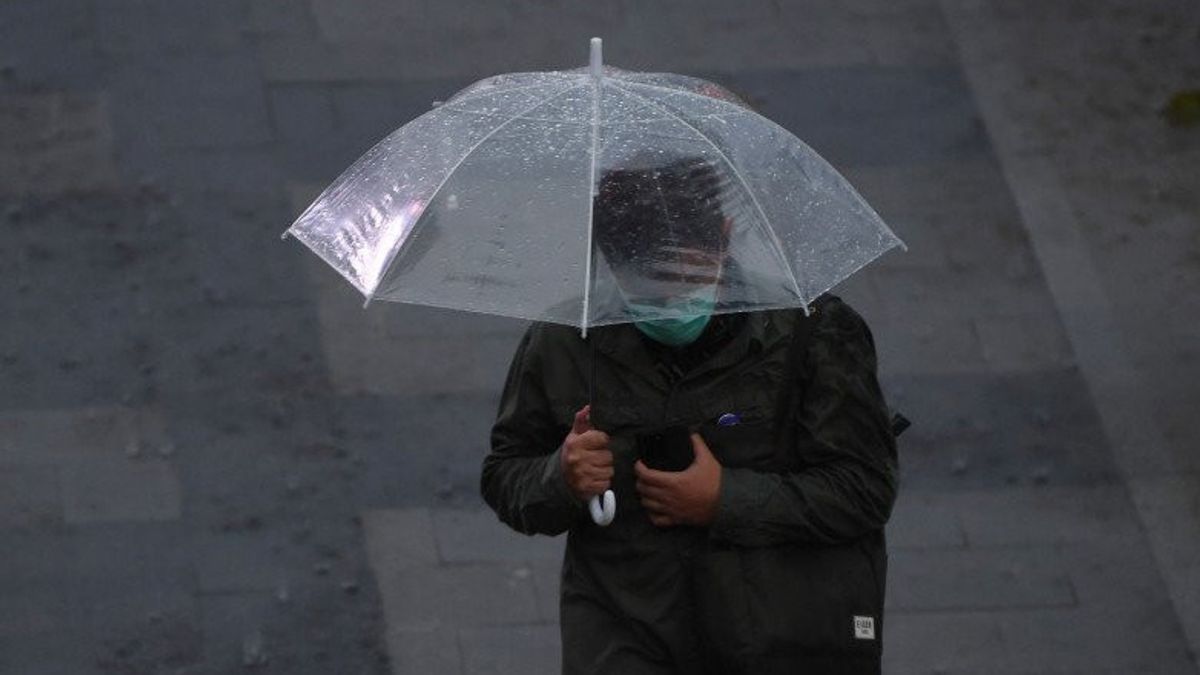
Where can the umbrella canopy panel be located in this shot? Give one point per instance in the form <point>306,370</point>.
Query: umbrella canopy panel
<point>569,198</point>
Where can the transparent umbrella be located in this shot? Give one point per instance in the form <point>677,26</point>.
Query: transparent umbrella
<point>524,195</point>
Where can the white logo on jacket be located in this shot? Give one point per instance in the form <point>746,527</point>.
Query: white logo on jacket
<point>864,627</point>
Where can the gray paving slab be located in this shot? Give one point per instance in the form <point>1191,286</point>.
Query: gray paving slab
<point>943,642</point>
<point>477,535</point>
<point>55,142</point>
<point>1116,385</point>
<point>50,44</point>
<point>510,649</point>
<point>281,18</point>
<point>1046,515</point>
<point>358,42</point>
<point>547,581</point>
<point>302,113</point>
<point>476,594</point>
<point>399,539</point>
<point>237,632</point>
<point>988,431</point>
<point>424,450</point>
<point>1029,341</point>
<point>141,28</point>
<point>238,562</point>
<point>58,653</point>
<point>29,496</point>
<point>1031,577</point>
<point>189,99</point>
<point>931,117</point>
<point>116,490</point>
<point>925,520</point>
<point>419,650</point>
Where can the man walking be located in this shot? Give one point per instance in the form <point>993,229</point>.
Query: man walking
<point>751,454</point>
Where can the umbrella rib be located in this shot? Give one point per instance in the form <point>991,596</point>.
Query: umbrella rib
<point>738,174</point>
<point>433,195</point>
<point>587,263</point>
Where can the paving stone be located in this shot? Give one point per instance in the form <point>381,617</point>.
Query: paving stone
<point>233,622</point>
<point>974,580</point>
<point>832,34</point>
<point>1046,515</point>
<point>515,649</point>
<point>1171,505</point>
<point>29,496</point>
<point>63,652</point>
<point>1063,639</point>
<point>477,536</point>
<point>282,18</point>
<point>368,112</point>
<point>49,43</point>
<point>362,361</point>
<point>55,142</point>
<point>55,436</point>
<point>931,118</point>
<point>189,101</point>
<point>237,562</point>
<point>99,490</point>
<point>399,539</point>
<point>459,595</point>
<point>152,28</point>
<point>39,609</point>
<point>302,113</point>
<point>1024,341</point>
<point>936,642</point>
<point>927,339</point>
<point>442,440</point>
<point>986,431</point>
<point>924,520</point>
<point>427,649</point>
<point>547,581</point>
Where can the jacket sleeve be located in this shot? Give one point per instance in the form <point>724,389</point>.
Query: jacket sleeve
<point>848,482</point>
<point>522,478</point>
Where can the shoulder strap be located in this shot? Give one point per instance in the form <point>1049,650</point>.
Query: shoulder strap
<point>794,384</point>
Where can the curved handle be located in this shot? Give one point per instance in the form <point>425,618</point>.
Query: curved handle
<point>603,515</point>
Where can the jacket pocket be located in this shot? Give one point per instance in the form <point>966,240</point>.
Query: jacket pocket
<point>799,600</point>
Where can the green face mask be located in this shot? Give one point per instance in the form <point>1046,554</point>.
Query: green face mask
<point>681,331</point>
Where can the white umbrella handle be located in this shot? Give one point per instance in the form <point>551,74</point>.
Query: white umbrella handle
<point>603,515</point>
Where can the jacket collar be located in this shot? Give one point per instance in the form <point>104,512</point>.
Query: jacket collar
<point>624,343</point>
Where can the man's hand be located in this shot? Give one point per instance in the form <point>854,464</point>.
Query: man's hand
<point>587,462</point>
<point>687,497</point>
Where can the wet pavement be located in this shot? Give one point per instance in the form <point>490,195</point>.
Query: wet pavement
<point>212,460</point>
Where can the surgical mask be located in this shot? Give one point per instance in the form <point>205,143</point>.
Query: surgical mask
<point>679,331</point>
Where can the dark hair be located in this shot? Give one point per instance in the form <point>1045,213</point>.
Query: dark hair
<point>676,205</point>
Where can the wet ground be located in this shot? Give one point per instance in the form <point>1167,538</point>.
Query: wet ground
<point>213,460</point>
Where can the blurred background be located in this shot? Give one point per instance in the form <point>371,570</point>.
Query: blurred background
<point>212,460</point>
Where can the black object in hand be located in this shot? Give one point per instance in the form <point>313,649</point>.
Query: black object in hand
<point>668,449</point>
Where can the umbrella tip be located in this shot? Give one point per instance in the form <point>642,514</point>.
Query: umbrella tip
<point>597,60</point>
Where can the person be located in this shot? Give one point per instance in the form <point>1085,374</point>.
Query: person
<point>764,552</point>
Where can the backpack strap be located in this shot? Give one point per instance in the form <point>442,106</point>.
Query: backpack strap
<point>794,384</point>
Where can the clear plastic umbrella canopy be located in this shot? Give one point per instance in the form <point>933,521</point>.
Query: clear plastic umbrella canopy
<point>577,196</point>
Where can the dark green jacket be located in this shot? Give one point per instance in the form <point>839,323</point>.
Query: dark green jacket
<point>795,558</point>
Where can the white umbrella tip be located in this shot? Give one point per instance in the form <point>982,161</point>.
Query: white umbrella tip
<point>597,58</point>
